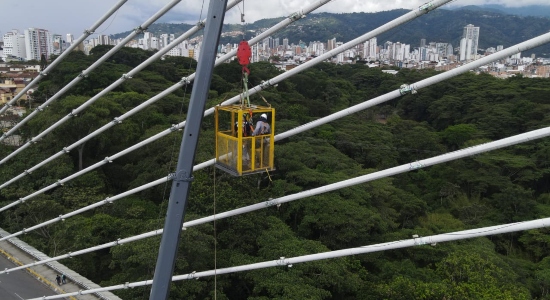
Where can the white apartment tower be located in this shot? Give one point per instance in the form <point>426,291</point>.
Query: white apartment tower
<point>69,39</point>
<point>469,42</point>
<point>373,48</point>
<point>331,44</point>
<point>14,45</point>
<point>38,42</point>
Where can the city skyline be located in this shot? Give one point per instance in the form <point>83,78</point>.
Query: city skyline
<point>65,18</point>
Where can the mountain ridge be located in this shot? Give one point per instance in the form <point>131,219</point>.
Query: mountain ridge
<point>441,25</point>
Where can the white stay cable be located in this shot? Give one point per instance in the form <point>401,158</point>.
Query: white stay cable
<point>514,140</point>
<point>432,240</point>
<point>166,92</point>
<point>60,58</point>
<point>81,76</point>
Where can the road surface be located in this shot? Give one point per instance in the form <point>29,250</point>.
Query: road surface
<point>20,284</point>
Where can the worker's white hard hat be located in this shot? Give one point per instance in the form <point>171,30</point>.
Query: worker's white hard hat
<point>264,116</point>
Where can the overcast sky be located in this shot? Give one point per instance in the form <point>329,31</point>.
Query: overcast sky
<point>73,16</point>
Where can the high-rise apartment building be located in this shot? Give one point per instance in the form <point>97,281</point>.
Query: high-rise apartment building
<point>469,42</point>
<point>38,42</point>
<point>69,39</point>
<point>331,44</point>
<point>14,45</point>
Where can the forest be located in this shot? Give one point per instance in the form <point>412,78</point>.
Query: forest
<point>504,186</point>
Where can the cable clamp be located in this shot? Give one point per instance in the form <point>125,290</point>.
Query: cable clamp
<point>270,202</point>
<point>21,200</point>
<point>107,159</point>
<point>297,16</point>
<point>181,176</point>
<point>200,24</point>
<point>88,31</point>
<point>61,218</point>
<point>59,183</point>
<point>34,140</point>
<point>174,127</point>
<point>126,285</point>
<point>139,29</point>
<point>426,6</point>
<point>419,241</point>
<point>24,230</point>
<point>282,261</point>
<point>73,114</point>
<point>70,254</point>
<point>406,89</point>
<point>265,84</point>
<point>80,292</point>
<point>82,75</point>
<point>43,73</point>
<point>415,165</point>
<point>126,76</point>
<point>117,242</point>
<point>192,275</point>
<point>27,172</point>
<point>40,108</point>
<point>116,120</point>
<point>108,200</point>
<point>66,150</point>
<point>185,80</point>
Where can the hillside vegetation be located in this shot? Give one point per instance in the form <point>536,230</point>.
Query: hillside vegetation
<point>504,186</point>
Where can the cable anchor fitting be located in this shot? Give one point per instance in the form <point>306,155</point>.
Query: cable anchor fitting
<point>88,32</point>
<point>116,120</point>
<point>406,89</point>
<point>66,150</point>
<point>107,159</point>
<point>126,76</point>
<point>200,25</point>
